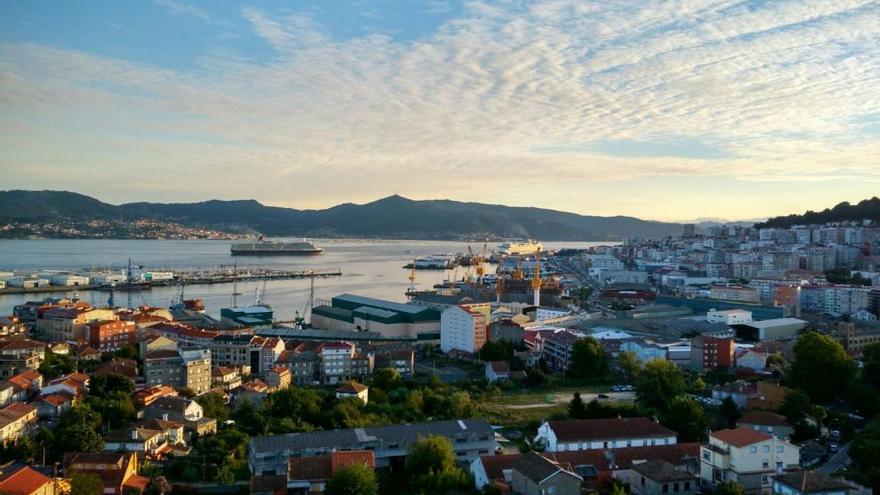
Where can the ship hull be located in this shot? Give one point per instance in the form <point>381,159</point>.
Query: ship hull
<point>277,252</point>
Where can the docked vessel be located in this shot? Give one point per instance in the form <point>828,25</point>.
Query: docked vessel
<point>524,248</point>
<point>261,247</point>
<point>433,262</point>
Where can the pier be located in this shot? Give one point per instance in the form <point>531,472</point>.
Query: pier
<point>189,277</point>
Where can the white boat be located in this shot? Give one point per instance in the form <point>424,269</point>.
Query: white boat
<point>434,262</point>
<point>524,248</point>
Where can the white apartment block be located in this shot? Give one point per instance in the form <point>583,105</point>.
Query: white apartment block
<point>747,457</point>
<point>462,328</point>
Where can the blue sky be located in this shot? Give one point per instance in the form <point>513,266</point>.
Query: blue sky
<point>667,110</point>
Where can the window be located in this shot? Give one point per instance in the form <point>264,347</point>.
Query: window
<point>779,449</point>
<point>675,487</point>
<point>767,448</point>
<point>706,455</point>
<point>753,450</point>
<point>687,485</point>
<point>665,488</point>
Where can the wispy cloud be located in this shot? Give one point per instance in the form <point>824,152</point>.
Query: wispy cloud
<point>779,91</point>
<point>182,9</point>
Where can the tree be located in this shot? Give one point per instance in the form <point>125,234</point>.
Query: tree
<point>865,451</point>
<point>83,483</point>
<point>871,369</point>
<point>104,385</point>
<point>686,417</point>
<point>588,359</point>
<point>116,409</point>
<point>797,409</point>
<point>213,406</point>
<point>727,488</point>
<point>496,350</point>
<point>534,377</point>
<point>659,382</point>
<point>629,365</point>
<point>356,479</point>
<point>430,455</point>
<point>387,379</point>
<point>729,412</point>
<point>576,408</point>
<point>821,367</point>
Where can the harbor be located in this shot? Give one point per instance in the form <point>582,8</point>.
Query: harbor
<point>107,281</point>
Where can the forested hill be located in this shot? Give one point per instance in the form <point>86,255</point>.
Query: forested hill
<point>391,217</point>
<point>843,212</point>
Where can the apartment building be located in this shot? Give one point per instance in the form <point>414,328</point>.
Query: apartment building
<point>470,438</point>
<point>340,362</point>
<point>711,353</point>
<point>747,457</point>
<point>17,420</point>
<point>62,324</point>
<point>111,335</point>
<point>189,368</point>
<point>463,328</point>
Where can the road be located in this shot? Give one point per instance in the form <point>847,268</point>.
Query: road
<point>837,461</point>
<point>562,398</point>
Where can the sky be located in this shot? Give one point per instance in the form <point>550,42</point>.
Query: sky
<point>667,110</point>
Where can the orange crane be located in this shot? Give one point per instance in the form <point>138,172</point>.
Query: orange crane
<point>412,277</point>
<point>481,267</point>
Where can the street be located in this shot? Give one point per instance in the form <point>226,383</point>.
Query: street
<point>837,461</point>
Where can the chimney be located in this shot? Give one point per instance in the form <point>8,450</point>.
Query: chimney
<point>134,434</point>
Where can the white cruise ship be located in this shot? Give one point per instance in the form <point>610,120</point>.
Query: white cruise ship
<point>524,248</point>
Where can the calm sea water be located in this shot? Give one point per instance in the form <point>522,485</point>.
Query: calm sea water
<point>369,267</point>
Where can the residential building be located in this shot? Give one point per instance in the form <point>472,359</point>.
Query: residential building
<point>586,434</point>
<point>809,483</point>
<point>711,353</point>
<point>747,457</point>
<point>353,390</point>
<point>18,355</point>
<point>118,471</point>
<point>497,371</point>
<point>463,328</point>
<point>111,335</point>
<point>189,368</point>
<point>534,474</point>
<point>768,422</point>
<point>278,377</point>
<point>181,410</point>
<point>17,420</point>
<point>401,360</point>
<point>309,475</point>
<point>659,477</point>
<point>340,363</point>
<point>62,324</point>
<point>470,438</point>
<point>556,349</point>
<point>25,480</point>
<point>225,378</point>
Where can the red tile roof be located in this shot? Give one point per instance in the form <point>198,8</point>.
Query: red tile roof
<point>24,481</point>
<point>341,459</point>
<point>352,388</point>
<point>763,418</point>
<point>740,437</point>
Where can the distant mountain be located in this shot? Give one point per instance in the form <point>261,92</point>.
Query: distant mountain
<point>391,217</point>
<point>844,212</point>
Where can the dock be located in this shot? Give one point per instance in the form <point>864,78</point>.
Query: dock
<point>191,277</point>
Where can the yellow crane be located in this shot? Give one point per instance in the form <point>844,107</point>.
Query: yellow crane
<point>412,277</point>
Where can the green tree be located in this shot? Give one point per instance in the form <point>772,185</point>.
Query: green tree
<point>727,488</point>
<point>430,455</point>
<point>871,368</point>
<point>116,409</point>
<point>687,418</point>
<point>659,382</point>
<point>576,408</point>
<point>83,483</point>
<point>821,367</point>
<point>387,379</point>
<point>797,409</point>
<point>729,412</point>
<point>104,385</point>
<point>213,406</point>
<point>588,359</point>
<point>356,479</point>
<point>496,350</point>
<point>865,451</point>
<point>629,365</point>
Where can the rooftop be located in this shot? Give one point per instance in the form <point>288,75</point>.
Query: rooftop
<point>811,481</point>
<point>740,437</point>
<point>608,428</point>
<point>662,471</point>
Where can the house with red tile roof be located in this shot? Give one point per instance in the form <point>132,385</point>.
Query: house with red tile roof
<point>746,456</point>
<point>26,481</point>
<point>54,404</point>
<point>353,390</point>
<point>117,471</point>
<point>605,433</point>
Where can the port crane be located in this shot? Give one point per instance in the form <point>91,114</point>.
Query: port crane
<point>536,279</point>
